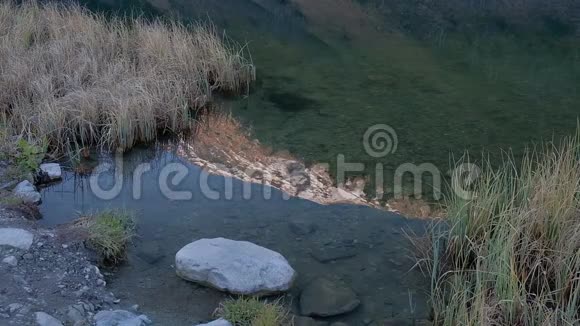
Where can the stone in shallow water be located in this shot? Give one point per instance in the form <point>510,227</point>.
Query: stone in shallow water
<point>302,228</point>
<point>324,298</point>
<point>307,321</point>
<point>52,170</point>
<point>27,192</point>
<point>238,267</point>
<point>335,253</point>
<point>120,318</point>
<point>218,322</point>
<point>44,319</point>
<point>16,238</point>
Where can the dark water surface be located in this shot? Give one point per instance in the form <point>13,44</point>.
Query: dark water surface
<point>378,271</point>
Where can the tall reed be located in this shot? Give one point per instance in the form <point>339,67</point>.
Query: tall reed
<point>78,79</point>
<point>510,255</point>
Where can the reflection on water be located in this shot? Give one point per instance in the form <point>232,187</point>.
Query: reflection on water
<point>330,69</point>
<point>378,272</point>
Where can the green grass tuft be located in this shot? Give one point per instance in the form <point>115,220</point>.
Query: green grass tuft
<point>245,311</point>
<point>109,234</point>
<point>510,255</point>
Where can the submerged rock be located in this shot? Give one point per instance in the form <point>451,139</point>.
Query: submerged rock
<point>307,321</point>
<point>16,238</point>
<point>334,253</point>
<point>238,267</point>
<point>44,319</point>
<point>51,170</point>
<point>302,228</point>
<point>26,191</point>
<point>217,322</point>
<point>324,298</point>
<point>120,318</point>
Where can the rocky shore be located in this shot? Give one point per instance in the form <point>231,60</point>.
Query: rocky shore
<point>49,279</point>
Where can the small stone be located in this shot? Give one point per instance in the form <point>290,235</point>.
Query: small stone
<point>52,170</point>
<point>28,256</point>
<point>120,318</point>
<point>14,307</point>
<point>325,298</point>
<point>76,313</point>
<point>27,192</point>
<point>339,324</point>
<point>10,260</point>
<point>44,319</point>
<point>16,238</point>
<point>217,322</point>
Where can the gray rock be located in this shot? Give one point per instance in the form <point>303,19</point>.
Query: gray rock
<point>238,267</point>
<point>120,318</point>
<point>10,260</point>
<point>76,313</point>
<point>16,238</point>
<point>26,191</point>
<point>339,324</point>
<point>52,170</point>
<point>324,298</point>
<point>14,307</point>
<point>217,322</point>
<point>44,319</point>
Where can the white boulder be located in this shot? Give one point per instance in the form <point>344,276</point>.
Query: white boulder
<point>52,170</point>
<point>16,238</point>
<point>238,267</point>
<point>27,192</point>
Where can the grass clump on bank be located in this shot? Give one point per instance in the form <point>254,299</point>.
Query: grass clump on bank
<point>109,234</point>
<point>510,255</point>
<point>78,79</point>
<point>246,311</point>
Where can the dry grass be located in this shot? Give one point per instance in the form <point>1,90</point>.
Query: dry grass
<point>221,138</point>
<point>511,254</point>
<point>78,79</point>
<point>413,207</point>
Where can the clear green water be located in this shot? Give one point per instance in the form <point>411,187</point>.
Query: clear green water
<point>325,77</point>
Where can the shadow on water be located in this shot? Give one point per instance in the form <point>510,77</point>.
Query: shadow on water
<point>378,271</point>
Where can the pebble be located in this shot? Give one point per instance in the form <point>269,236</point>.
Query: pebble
<point>44,319</point>
<point>10,260</point>
<point>14,307</point>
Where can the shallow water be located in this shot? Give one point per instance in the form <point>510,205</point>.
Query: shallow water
<point>379,271</point>
<point>327,71</point>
